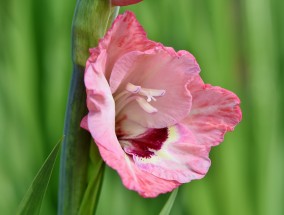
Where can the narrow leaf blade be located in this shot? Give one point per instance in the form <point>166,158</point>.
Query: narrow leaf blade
<point>96,171</point>
<point>169,204</point>
<point>31,203</point>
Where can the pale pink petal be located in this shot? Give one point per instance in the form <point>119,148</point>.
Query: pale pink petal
<point>195,83</point>
<point>214,112</point>
<point>125,35</point>
<point>101,116</point>
<point>149,67</point>
<point>124,2</point>
<point>101,124</point>
<point>155,69</point>
<point>178,158</point>
<point>146,184</point>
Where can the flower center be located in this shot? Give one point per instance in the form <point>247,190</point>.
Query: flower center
<point>150,95</point>
<point>145,145</point>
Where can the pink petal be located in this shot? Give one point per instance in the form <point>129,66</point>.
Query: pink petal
<point>101,116</point>
<point>146,184</point>
<point>101,124</point>
<point>124,2</point>
<point>156,69</point>
<point>214,112</point>
<point>125,35</point>
<point>144,67</point>
<point>180,158</point>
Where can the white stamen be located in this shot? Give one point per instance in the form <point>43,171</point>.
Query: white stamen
<point>150,98</point>
<point>151,92</point>
<point>132,88</point>
<point>126,96</point>
<point>145,105</point>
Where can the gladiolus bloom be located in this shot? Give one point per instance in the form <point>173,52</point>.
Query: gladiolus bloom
<point>150,114</point>
<point>124,2</point>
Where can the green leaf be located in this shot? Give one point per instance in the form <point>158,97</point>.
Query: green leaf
<point>169,204</point>
<point>92,193</point>
<point>31,203</point>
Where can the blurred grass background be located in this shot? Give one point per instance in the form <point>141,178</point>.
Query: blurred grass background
<point>239,45</point>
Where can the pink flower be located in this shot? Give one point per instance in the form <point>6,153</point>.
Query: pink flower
<point>150,114</point>
<point>124,2</point>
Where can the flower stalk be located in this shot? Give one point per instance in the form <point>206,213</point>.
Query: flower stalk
<point>90,22</point>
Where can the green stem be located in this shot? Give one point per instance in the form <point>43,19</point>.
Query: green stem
<point>75,150</point>
<point>90,22</point>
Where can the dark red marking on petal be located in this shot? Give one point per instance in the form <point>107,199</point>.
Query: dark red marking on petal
<point>118,130</point>
<point>143,145</point>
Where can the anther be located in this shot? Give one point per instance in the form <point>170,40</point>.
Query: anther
<point>132,88</point>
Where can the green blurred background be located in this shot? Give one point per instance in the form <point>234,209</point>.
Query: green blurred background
<point>239,45</point>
